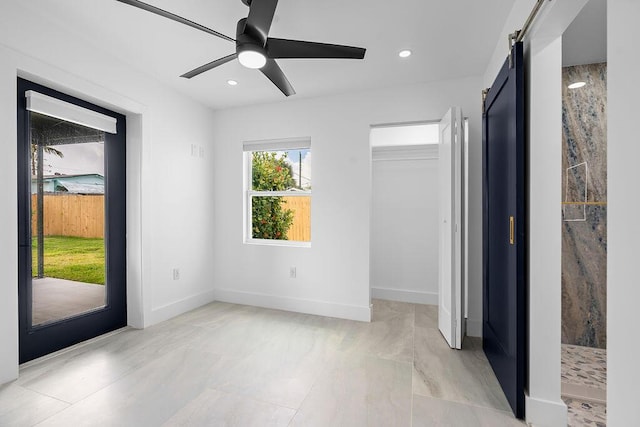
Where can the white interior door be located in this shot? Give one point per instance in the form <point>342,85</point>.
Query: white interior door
<point>460,229</point>
<point>450,276</point>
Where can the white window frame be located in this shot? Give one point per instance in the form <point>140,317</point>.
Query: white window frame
<point>248,148</point>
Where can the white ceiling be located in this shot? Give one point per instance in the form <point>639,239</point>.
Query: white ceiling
<point>585,41</point>
<point>449,39</point>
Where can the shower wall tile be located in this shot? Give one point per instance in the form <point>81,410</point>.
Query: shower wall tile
<point>585,131</point>
<point>584,276</point>
<point>584,231</point>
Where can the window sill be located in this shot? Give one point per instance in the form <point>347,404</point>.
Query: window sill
<point>281,243</point>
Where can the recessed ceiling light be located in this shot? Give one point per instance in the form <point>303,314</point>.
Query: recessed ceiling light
<point>232,82</point>
<point>404,53</point>
<point>576,85</point>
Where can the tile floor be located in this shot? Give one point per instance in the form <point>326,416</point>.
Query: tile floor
<point>584,385</point>
<point>581,413</point>
<point>584,366</point>
<point>233,365</point>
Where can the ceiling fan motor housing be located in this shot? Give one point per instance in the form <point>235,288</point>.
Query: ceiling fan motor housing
<point>245,40</point>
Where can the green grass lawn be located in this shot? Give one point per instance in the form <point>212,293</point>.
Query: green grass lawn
<point>72,258</point>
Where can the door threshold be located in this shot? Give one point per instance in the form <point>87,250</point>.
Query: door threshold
<point>584,392</point>
<point>71,348</point>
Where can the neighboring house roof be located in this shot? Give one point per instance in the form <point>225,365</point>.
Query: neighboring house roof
<point>72,187</point>
<point>73,176</point>
<point>76,184</point>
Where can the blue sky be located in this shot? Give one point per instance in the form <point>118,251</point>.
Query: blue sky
<point>78,159</point>
<point>294,157</point>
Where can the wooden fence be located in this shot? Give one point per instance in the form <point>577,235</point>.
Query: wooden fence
<point>300,230</point>
<point>83,215</point>
<point>70,215</point>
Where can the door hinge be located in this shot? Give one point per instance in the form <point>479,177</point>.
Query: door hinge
<point>512,40</point>
<point>485,92</point>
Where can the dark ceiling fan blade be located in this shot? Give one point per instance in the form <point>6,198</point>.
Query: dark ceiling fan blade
<point>277,77</point>
<point>283,48</point>
<point>260,17</point>
<point>169,15</point>
<point>211,65</point>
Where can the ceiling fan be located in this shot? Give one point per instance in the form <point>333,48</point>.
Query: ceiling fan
<point>254,47</point>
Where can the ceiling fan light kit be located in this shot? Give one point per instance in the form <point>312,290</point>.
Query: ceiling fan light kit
<point>250,49</point>
<point>254,48</point>
<point>252,59</point>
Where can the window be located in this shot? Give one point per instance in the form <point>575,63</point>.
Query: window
<point>414,141</point>
<point>405,134</point>
<point>278,192</point>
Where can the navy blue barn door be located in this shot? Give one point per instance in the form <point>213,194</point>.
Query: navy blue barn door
<point>504,228</point>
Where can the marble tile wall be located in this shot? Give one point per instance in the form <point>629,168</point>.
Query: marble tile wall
<point>584,226</point>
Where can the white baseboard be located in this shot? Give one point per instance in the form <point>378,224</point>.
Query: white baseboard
<point>474,328</point>
<point>405,295</point>
<point>298,305</point>
<point>168,311</point>
<point>545,413</point>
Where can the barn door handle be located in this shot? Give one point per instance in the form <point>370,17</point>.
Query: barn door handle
<point>511,230</point>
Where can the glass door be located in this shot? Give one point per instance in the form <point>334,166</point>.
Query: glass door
<point>67,219</point>
<point>72,277</point>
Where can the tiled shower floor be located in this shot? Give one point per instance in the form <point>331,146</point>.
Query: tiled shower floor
<point>584,373</point>
<point>581,413</point>
<point>584,366</point>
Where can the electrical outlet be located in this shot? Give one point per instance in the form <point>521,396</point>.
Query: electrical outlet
<point>176,274</point>
<point>201,152</point>
<point>292,272</point>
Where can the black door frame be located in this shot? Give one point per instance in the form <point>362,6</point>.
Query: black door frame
<point>508,359</point>
<point>44,339</point>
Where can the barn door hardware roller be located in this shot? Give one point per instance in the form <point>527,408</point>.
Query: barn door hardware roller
<point>518,35</point>
<point>485,92</point>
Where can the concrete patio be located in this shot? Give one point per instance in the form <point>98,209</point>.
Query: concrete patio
<point>55,299</point>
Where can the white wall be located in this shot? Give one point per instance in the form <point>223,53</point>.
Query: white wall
<point>333,275</point>
<point>168,191</point>
<point>404,228</point>
<point>623,151</point>
<point>543,405</point>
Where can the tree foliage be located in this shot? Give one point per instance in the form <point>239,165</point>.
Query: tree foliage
<point>270,217</point>
<point>34,156</point>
